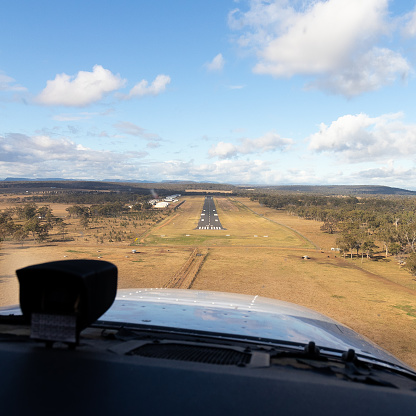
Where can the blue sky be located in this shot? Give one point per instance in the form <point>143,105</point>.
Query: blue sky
<point>245,92</point>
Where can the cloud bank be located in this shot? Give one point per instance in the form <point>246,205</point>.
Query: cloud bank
<point>359,138</point>
<point>22,155</point>
<point>267,143</point>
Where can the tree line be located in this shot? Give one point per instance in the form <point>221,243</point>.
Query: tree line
<point>107,210</point>
<point>364,226</point>
<point>30,220</point>
<point>20,222</point>
<point>92,197</point>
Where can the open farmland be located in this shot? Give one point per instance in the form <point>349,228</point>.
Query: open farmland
<point>259,253</point>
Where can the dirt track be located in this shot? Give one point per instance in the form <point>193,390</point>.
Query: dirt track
<point>187,274</point>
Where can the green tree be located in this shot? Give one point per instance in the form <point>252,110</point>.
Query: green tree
<point>20,235</point>
<point>84,221</point>
<point>411,263</point>
<point>407,234</point>
<point>395,248</point>
<point>77,211</point>
<point>369,247</point>
<point>29,211</point>
<point>350,238</point>
<point>387,234</point>
<point>39,231</point>
<point>329,226</point>
<point>59,222</point>
<point>7,226</point>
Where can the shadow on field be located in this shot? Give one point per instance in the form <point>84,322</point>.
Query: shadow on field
<point>381,259</point>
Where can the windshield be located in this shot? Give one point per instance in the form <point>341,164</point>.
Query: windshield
<point>263,148</point>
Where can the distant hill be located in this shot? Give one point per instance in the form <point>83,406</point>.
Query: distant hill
<point>31,180</point>
<point>14,184</point>
<point>341,189</point>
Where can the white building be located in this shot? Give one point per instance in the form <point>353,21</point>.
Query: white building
<point>161,205</point>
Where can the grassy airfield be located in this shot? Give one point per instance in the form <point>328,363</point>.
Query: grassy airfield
<point>242,228</point>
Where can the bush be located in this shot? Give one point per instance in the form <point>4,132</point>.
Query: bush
<point>411,263</point>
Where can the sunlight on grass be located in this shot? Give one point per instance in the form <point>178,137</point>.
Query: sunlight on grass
<point>410,311</point>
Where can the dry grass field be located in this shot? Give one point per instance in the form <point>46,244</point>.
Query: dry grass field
<point>259,253</point>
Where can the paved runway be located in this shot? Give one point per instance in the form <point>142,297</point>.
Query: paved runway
<point>209,218</point>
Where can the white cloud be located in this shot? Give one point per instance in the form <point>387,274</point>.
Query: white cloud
<point>387,173</point>
<point>223,150</point>
<point>238,171</point>
<point>9,84</point>
<point>267,143</point>
<point>334,40</point>
<point>133,130</point>
<point>74,117</point>
<point>360,138</point>
<point>32,149</point>
<point>236,87</point>
<point>155,88</point>
<point>264,21</point>
<point>217,64</point>
<point>401,176</point>
<point>153,145</point>
<point>81,90</point>
<point>409,26</point>
<point>321,38</point>
<point>368,72</point>
<point>235,171</point>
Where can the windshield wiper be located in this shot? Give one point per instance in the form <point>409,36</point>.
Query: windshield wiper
<point>348,366</point>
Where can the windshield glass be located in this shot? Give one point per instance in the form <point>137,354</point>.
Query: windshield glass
<point>254,147</point>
